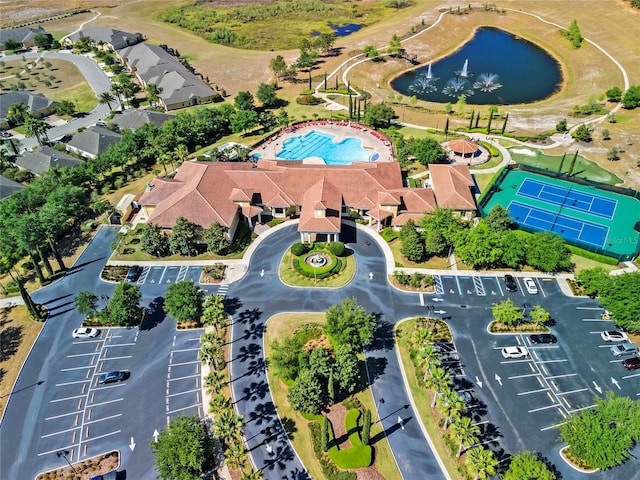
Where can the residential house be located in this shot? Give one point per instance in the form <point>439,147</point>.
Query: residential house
<point>93,141</point>
<point>178,86</point>
<point>134,119</point>
<point>25,35</point>
<point>227,193</point>
<point>38,105</point>
<point>105,38</point>
<point>41,160</point>
<point>8,186</point>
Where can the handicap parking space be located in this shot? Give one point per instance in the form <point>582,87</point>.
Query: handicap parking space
<point>491,286</point>
<point>160,275</point>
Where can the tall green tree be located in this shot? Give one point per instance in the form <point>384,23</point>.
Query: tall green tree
<point>266,94</point>
<point>184,450</point>
<point>347,368</point>
<point>378,115</point>
<point>243,120</point>
<point>213,314</point>
<point>306,394</point>
<point>153,240</point>
<point>228,426</point>
<point>548,252</point>
<point>573,34</point>
<point>278,66</point>
<point>506,312</point>
<point>216,238</point>
<point>86,302</point>
<point>124,307</point>
<point>349,323</point>
<point>244,101</point>
<point>183,237</point>
<point>184,301</point>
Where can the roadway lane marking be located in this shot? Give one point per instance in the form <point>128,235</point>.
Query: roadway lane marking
<point>197,405</point>
<point>572,391</point>
<point>102,419</point>
<point>555,405</point>
<point>101,436</point>
<point>562,376</point>
<point>60,416</point>
<point>71,383</point>
<point>60,432</point>
<point>184,393</point>
<point>524,376</point>
<point>76,368</point>
<point>534,391</point>
<point>182,378</point>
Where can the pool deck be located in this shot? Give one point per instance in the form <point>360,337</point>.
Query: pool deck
<point>371,139</point>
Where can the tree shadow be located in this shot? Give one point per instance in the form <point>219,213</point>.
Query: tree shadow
<point>232,305</point>
<point>57,314</point>
<point>388,431</point>
<point>57,298</point>
<point>59,306</point>
<point>376,367</point>
<point>248,352</point>
<point>80,266</point>
<point>263,413</point>
<point>255,391</point>
<point>384,336</point>
<point>248,316</point>
<point>154,314</point>
<point>283,454</point>
<point>10,341</point>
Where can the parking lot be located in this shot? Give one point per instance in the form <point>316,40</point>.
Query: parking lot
<point>492,286</point>
<point>526,399</point>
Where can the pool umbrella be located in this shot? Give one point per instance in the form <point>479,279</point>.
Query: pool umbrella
<point>463,147</point>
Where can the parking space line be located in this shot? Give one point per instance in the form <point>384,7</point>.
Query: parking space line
<point>182,378</point>
<point>121,345</point>
<point>631,376</point>
<point>101,436</point>
<point>540,288</point>
<point>458,283</point>
<point>583,408</point>
<point>184,393</point>
<point>84,342</point>
<point>115,385</point>
<point>524,376</point>
<point>572,391</point>
<point>68,447</point>
<point>197,405</point>
<point>184,363</point>
<point>560,360</point>
<point>553,426</point>
<point>60,432</point>
<point>116,358</point>
<point>106,403</point>
<point>555,405</point>
<point>71,383</point>
<point>515,361</point>
<point>63,415</point>
<point>562,376</point>
<point>102,419</point>
<point>67,398</point>
<point>162,276</point>
<point>187,349</point>
<point>75,368</point>
<point>534,391</point>
<point>588,308</point>
<point>82,355</point>
<point>594,320</point>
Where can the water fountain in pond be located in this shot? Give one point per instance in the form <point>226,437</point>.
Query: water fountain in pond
<point>487,82</point>
<point>457,86</point>
<point>465,73</point>
<point>429,74</point>
<point>424,83</point>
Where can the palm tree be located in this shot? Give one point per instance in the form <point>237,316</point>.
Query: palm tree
<point>116,88</point>
<point>219,403</point>
<point>153,93</point>
<point>35,127</point>
<point>235,455</point>
<point>252,475</point>
<point>16,112</point>
<point>213,315</point>
<point>106,98</point>
<point>451,406</point>
<point>181,152</point>
<point>440,382</point>
<point>213,382</point>
<point>481,463</point>
<point>420,337</point>
<point>228,426</point>
<point>428,359</point>
<point>465,432</point>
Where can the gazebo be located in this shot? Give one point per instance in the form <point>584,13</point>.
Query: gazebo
<point>464,148</point>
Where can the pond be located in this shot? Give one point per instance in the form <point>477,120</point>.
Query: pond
<point>341,30</point>
<point>494,67</point>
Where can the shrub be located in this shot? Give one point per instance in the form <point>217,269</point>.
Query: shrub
<point>337,248</point>
<point>298,249</point>
<point>389,234</point>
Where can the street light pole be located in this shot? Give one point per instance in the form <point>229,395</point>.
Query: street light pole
<point>63,454</point>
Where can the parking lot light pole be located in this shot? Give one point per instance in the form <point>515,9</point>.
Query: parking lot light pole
<point>64,453</point>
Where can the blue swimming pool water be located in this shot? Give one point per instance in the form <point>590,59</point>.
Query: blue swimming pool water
<point>322,145</point>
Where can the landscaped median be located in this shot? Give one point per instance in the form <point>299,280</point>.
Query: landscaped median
<point>317,264</point>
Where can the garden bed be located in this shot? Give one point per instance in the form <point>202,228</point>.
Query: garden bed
<point>89,468</point>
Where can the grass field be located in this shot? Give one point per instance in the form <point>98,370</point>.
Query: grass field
<point>17,335</point>
<point>278,327</point>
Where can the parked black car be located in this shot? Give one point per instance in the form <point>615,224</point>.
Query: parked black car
<point>133,273</point>
<point>510,283</point>
<point>543,338</point>
<point>112,377</point>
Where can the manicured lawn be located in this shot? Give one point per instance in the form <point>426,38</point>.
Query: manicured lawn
<point>278,327</point>
<point>438,263</point>
<point>290,277</point>
<point>582,263</point>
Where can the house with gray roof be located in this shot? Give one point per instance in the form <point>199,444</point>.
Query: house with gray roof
<point>93,141</point>
<point>179,87</point>
<point>44,158</point>
<point>106,38</point>
<point>39,105</point>
<point>134,119</point>
<point>8,186</point>
<point>26,36</point>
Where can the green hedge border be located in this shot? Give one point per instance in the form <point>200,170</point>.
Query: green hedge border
<point>336,266</point>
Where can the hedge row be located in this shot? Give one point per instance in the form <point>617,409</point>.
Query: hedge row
<point>331,472</point>
<point>321,272</point>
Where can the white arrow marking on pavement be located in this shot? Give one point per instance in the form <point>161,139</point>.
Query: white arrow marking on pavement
<point>132,445</point>
<point>155,435</point>
<point>439,311</point>
<point>478,381</point>
<point>615,382</point>
<point>438,300</point>
<point>401,422</point>
<point>498,379</point>
<point>269,448</point>
<point>262,273</point>
<point>370,275</point>
<point>597,387</point>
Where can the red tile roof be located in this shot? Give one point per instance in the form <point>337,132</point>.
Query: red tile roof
<point>452,186</point>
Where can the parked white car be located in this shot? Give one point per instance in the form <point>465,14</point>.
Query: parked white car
<point>85,332</point>
<point>515,352</point>
<point>614,336</point>
<point>530,285</point>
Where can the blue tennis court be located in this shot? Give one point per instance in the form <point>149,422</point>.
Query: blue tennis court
<point>567,197</point>
<point>567,227</point>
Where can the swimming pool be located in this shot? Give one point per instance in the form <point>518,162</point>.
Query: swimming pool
<point>322,145</point>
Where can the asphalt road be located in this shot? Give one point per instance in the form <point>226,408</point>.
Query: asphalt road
<point>95,77</point>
